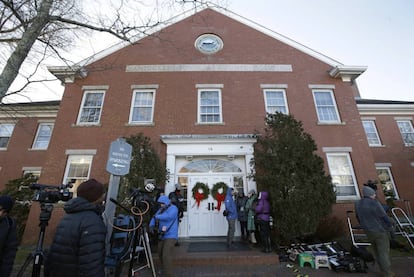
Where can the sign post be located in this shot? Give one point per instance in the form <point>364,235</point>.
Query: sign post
<point>119,160</point>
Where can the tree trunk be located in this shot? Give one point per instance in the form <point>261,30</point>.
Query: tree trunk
<point>29,37</point>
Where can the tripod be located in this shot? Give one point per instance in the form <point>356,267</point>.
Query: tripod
<point>37,256</point>
<point>141,244</point>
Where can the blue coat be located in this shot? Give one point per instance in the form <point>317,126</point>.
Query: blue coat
<point>230,205</point>
<point>168,219</point>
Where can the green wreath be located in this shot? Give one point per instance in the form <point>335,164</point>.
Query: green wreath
<point>200,196</point>
<point>216,187</point>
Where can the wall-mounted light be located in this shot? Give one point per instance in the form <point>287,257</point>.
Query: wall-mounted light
<point>230,157</point>
<point>189,158</point>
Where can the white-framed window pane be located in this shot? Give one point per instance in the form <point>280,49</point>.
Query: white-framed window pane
<point>407,132</point>
<point>275,101</point>
<point>44,132</point>
<point>91,107</point>
<point>77,169</point>
<point>6,130</point>
<point>326,106</point>
<point>209,106</point>
<point>142,106</point>
<point>387,183</point>
<point>371,132</point>
<point>342,173</point>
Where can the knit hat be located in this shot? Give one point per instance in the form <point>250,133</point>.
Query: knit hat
<point>91,190</point>
<point>367,191</point>
<point>6,202</point>
<point>252,191</point>
<point>177,187</point>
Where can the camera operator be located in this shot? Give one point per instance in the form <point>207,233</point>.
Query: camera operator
<point>178,200</point>
<point>165,223</point>
<point>78,248</point>
<point>8,236</point>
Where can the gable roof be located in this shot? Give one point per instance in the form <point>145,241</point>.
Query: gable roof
<point>69,73</point>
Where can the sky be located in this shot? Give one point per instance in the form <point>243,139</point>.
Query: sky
<point>378,34</point>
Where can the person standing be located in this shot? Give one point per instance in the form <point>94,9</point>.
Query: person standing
<point>78,248</point>
<point>376,224</point>
<point>8,236</point>
<point>251,214</point>
<point>242,214</point>
<point>263,219</point>
<point>165,223</point>
<point>178,200</point>
<point>231,216</point>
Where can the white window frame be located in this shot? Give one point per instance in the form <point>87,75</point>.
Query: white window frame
<point>201,114</point>
<point>136,107</point>
<point>391,186</point>
<point>42,144</point>
<point>6,131</point>
<point>272,108</point>
<point>408,134</point>
<point>371,132</point>
<point>86,93</point>
<point>73,159</point>
<point>351,174</point>
<point>333,109</point>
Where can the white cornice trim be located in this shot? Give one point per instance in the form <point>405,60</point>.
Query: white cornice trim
<point>209,67</point>
<point>347,73</point>
<point>230,138</point>
<point>385,109</point>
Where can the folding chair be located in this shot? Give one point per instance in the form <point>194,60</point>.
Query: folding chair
<point>358,236</point>
<point>404,225</point>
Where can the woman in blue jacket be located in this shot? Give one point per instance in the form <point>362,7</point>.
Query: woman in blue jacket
<point>231,216</point>
<point>166,222</point>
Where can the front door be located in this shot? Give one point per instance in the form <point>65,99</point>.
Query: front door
<point>205,219</point>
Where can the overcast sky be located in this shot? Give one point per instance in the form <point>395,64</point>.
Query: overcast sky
<point>378,34</point>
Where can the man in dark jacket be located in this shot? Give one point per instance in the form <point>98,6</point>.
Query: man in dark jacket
<point>78,248</point>
<point>8,236</point>
<point>177,199</point>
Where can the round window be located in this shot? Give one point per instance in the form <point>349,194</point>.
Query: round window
<point>209,44</point>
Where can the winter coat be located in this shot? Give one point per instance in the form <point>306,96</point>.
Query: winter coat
<point>78,248</point>
<point>372,216</point>
<point>263,207</point>
<point>251,212</point>
<point>241,208</point>
<point>167,217</point>
<point>178,200</point>
<point>8,245</point>
<point>230,205</point>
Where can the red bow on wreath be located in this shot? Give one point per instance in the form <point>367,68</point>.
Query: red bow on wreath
<point>220,198</point>
<point>198,197</point>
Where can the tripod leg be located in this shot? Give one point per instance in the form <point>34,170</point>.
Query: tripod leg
<point>26,263</point>
<point>148,252</point>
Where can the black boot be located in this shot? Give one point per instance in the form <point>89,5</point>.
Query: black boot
<point>269,246</point>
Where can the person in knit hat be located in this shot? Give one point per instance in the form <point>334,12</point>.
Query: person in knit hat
<point>376,224</point>
<point>78,248</point>
<point>8,236</point>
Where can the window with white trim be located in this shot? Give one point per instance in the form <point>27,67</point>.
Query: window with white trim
<point>6,131</point>
<point>275,101</point>
<point>387,183</point>
<point>142,107</point>
<point>42,139</point>
<point>209,106</point>
<point>343,177</point>
<point>77,169</point>
<point>325,104</point>
<point>91,109</point>
<point>371,132</point>
<point>407,131</point>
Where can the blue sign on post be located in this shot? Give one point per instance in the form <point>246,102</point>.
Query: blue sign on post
<point>119,157</point>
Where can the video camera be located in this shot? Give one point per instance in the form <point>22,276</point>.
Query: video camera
<point>52,194</point>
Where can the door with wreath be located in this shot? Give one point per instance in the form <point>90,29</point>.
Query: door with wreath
<point>205,211</point>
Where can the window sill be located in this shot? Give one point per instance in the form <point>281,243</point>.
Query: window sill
<point>87,125</point>
<point>377,146</point>
<point>210,123</point>
<point>134,124</point>
<point>331,123</point>
<point>36,149</point>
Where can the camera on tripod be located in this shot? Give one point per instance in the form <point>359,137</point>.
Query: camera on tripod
<point>52,194</point>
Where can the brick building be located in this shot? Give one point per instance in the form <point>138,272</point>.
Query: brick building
<point>199,89</point>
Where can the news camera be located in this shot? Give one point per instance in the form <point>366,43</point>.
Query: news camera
<point>52,194</point>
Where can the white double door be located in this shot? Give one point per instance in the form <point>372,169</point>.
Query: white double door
<point>206,219</point>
